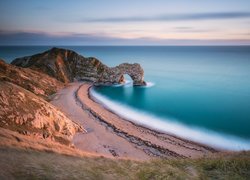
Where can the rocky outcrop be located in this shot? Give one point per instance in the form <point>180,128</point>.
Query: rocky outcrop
<point>116,74</point>
<point>55,62</point>
<point>39,83</point>
<point>28,114</point>
<point>23,108</point>
<point>67,66</point>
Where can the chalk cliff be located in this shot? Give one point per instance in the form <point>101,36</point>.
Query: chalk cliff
<point>23,105</point>
<point>67,66</point>
<point>39,83</point>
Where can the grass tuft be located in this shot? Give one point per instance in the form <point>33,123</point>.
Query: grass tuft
<point>30,164</point>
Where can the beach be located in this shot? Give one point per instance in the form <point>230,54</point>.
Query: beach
<point>108,134</point>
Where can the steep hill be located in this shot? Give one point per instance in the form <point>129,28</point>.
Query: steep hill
<point>26,113</point>
<point>67,66</point>
<point>24,109</point>
<point>39,83</point>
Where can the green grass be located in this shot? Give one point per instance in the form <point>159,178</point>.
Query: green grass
<point>29,164</point>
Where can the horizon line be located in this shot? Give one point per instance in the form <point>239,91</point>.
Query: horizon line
<point>1,45</point>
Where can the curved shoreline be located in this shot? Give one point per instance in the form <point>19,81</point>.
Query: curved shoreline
<point>157,132</point>
<point>152,142</point>
<point>203,136</point>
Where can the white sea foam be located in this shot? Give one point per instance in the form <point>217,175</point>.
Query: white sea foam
<point>211,138</point>
<point>129,83</point>
<point>149,84</point>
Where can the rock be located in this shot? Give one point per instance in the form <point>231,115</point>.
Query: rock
<point>67,66</point>
<point>31,114</point>
<point>116,74</point>
<point>39,83</point>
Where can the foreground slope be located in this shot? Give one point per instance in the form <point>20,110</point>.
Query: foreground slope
<point>24,109</point>
<point>30,164</point>
<point>24,112</point>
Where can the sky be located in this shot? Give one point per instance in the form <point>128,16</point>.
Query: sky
<point>125,22</point>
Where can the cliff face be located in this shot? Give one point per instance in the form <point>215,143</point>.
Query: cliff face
<point>55,62</point>
<point>116,74</point>
<point>28,114</point>
<point>39,83</point>
<point>23,107</point>
<point>67,66</point>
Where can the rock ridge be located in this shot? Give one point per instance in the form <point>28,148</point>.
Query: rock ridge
<point>28,114</point>
<point>24,108</point>
<point>68,66</point>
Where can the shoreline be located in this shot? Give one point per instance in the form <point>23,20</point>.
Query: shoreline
<point>159,132</point>
<point>98,139</point>
<point>152,142</point>
<point>216,140</point>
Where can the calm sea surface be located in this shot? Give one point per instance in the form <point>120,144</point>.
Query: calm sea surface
<point>193,91</point>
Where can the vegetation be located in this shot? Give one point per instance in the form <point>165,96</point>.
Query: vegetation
<point>30,164</point>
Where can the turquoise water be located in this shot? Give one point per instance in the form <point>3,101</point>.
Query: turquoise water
<point>202,89</point>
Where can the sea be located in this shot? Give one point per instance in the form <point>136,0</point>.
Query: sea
<point>201,93</point>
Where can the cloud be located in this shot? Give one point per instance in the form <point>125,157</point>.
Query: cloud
<point>40,38</point>
<point>184,29</point>
<point>174,17</point>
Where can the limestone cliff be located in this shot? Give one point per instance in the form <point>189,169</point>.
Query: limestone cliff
<point>67,66</point>
<point>116,74</point>
<point>26,113</point>
<point>23,108</point>
<point>39,83</point>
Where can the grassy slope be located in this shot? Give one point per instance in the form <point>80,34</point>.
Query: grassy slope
<point>30,164</point>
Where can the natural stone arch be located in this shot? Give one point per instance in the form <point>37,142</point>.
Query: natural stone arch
<point>116,74</point>
<point>135,71</point>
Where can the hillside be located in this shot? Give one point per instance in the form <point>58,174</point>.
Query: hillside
<point>26,113</point>
<point>36,82</point>
<point>30,164</point>
<point>67,66</point>
<point>24,109</point>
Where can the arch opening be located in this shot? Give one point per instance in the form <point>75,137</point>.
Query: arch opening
<point>125,78</point>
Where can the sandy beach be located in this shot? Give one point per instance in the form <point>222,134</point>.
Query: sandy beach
<point>108,134</point>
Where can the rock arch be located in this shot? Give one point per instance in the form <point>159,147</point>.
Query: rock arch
<point>116,74</point>
<point>135,71</point>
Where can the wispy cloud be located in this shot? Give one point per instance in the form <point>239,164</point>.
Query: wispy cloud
<point>40,38</point>
<point>184,29</point>
<point>174,17</point>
